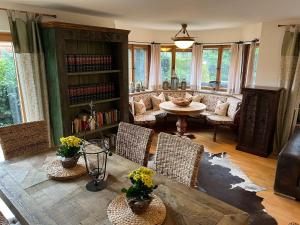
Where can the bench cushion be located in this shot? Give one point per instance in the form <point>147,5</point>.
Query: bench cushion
<point>217,119</point>
<point>144,119</point>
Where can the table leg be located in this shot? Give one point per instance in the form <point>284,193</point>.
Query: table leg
<point>181,125</point>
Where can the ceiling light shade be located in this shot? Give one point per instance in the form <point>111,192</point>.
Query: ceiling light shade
<point>185,41</point>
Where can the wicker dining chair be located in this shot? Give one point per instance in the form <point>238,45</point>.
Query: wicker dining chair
<point>25,138</point>
<point>3,220</point>
<point>134,142</point>
<point>178,158</point>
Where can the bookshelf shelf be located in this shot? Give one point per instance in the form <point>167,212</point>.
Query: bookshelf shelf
<point>94,102</point>
<point>93,73</point>
<point>107,127</point>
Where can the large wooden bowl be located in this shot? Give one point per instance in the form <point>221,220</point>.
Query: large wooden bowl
<point>182,101</point>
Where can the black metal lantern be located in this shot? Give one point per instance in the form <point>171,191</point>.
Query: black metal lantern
<point>95,157</point>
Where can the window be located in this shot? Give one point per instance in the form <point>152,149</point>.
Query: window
<point>215,66</point>
<point>138,63</point>
<point>166,64</point>
<point>10,112</point>
<point>183,65</point>
<point>172,58</point>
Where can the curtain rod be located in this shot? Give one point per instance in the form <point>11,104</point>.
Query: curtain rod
<point>208,43</point>
<point>287,25</point>
<point>22,11</point>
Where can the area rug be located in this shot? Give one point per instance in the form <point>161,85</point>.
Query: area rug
<point>224,180</point>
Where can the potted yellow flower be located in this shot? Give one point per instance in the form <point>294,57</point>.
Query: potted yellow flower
<point>69,151</point>
<point>138,195</point>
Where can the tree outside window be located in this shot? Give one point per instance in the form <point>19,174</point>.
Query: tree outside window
<point>9,97</point>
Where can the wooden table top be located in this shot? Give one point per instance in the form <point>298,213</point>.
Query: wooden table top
<point>36,199</point>
<point>193,108</point>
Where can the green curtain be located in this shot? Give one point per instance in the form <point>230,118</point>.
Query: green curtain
<point>290,82</point>
<point>30,65</point>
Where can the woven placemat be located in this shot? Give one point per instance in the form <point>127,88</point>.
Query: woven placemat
<point>119,213</point>
<point>55,171</point>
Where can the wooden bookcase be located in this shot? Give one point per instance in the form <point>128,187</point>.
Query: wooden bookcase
<point>62,39</point>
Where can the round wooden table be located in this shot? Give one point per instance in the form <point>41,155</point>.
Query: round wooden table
<point>182,112</point>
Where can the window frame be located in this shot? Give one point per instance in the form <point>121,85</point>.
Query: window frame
<point>132,47</point>
<point>219,65</point>
<point>174,49</point>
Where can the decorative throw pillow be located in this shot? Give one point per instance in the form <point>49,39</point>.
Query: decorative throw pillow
<point>196,98</point>
<point>221,108</point>
<point>156,100</point>
<point>139,107</point>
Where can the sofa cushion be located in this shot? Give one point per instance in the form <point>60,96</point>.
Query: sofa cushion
<point>210,100</point>
<point>146,99</point>
<point>156,113</point>
<point>217,119</point>
<point>156,100</point>
<point>196,98</point>
<point>234,105</point>
<point>203,114</point>
<point>144,119</point>
<point>221,108</point>
<point>139,107</point>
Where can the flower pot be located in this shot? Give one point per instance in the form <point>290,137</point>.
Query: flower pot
<point>70,162</point>
<point>138,206</point>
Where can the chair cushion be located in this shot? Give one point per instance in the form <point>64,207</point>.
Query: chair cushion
<point>221,108</point>
<point>217,119</point>
<point>156,100</point>
<point>139,107</point>
<point>234,105</point>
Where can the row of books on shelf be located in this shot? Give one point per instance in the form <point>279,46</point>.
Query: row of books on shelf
<point>99,120</point>
<point>86,93</point>
<point>87,63</point>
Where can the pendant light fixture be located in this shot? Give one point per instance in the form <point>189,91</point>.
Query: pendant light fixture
<point>184,41</point>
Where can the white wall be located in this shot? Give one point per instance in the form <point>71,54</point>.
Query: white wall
<point>61,16</point>
<point>268,69</point>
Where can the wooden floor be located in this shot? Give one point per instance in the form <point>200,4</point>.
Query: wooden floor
<point>260,170</point>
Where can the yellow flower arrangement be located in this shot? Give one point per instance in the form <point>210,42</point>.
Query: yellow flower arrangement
<point>70,146</point>
<point>142,184</point>
<point>71,141</point>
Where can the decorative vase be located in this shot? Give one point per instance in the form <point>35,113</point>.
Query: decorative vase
<point>174,83</point>
<point>138,206</point>
<point>183,84</point>
<point>138,87</point>
<point>166,85</point>
<point>70,162</point>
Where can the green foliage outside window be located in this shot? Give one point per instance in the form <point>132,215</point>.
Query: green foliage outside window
<point>9,98</point>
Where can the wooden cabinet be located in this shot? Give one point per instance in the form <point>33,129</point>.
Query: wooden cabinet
<point>258,120</point>
<point>60,42</point>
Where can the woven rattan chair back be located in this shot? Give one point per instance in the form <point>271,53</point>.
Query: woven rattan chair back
<point>3,220</point>
<point>134,142</point>
<point>26,138</point>
<point>178,158</point>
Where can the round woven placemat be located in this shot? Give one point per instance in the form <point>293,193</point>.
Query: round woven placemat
<point>55,170</point>
<point>119,213</point>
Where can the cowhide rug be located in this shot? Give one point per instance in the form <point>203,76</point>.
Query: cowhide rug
<point>222,179</point>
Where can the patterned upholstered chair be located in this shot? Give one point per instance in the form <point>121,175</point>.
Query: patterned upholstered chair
<point>178,158</point>
<point>3,220</point>
<point>25,138</point>
<point>134,142</point>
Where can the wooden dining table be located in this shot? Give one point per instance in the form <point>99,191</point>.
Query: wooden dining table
<point>35,199</point>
